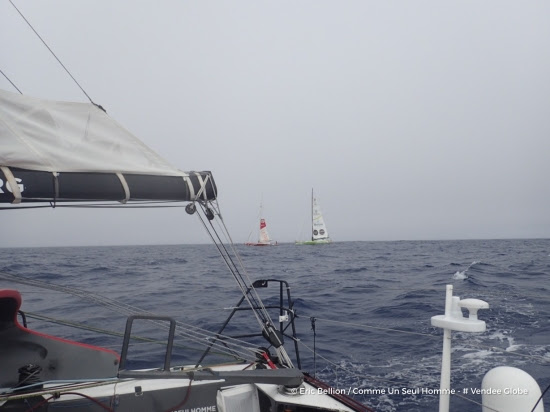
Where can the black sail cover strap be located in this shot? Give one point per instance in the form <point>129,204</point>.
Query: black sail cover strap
<point>45,186</point>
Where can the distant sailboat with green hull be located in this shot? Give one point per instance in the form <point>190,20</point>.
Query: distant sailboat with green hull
<point>319,232</point>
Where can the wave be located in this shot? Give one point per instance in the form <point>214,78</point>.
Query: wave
<point>463,274</point>
<point>460,275</point>
<point>351,270</point>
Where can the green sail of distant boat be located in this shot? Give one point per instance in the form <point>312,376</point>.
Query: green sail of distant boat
<point>319,232</point>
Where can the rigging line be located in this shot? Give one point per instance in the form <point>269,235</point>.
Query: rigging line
<point>476,346</point>
<point>266,321</point>
<point>207,334</point>
<point>238,345</point>
<point>200,335</point>
<point>83,395</point>
<point>195,336</point>
<point>237,265</point>
<point>204,340</point>
<point>235,351</point>
<point>259,308</point>
<point>489,293</point>
<point>485,407</point>
<point>232,268</point>
<point>252,292</point>
<point>141,205</point>
<point>540,398</point>
<point>504,351</point>
<point>518,298</point>
<point>379,328</point>
<point>57,386</point>
<point>223,253</point>
<point>107,332</point>
<point>51,51</point>
<point>62,384</point>
<point>349,371</point>
<point>203,335</point>
<point>281,351</point>
<point>257,299</point>
<point>12,83</point>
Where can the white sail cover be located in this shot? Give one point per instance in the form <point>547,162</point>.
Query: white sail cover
<point>70,152</point>
<point>319,230</point>
<point>55,136</point>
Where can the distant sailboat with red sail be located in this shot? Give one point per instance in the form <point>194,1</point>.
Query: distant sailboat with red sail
<point>263,238</point>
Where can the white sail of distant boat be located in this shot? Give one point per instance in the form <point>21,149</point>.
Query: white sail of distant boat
<point>319,232</point>
<point>263,238</point>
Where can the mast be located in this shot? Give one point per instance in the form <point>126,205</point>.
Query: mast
<point>312,238</point>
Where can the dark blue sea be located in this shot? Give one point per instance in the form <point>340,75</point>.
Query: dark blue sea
<point>372,303</point>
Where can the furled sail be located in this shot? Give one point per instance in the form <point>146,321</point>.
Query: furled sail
<point>62,151</point>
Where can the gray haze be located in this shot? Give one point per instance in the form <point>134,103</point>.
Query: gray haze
<point>412,120</point>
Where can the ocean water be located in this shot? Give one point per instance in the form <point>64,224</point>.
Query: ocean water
<point>372,303</point>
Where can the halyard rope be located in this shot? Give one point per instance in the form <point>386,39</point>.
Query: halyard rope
<point>54,55</point>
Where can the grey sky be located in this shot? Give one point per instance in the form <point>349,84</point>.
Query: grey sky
<point>412,120</point>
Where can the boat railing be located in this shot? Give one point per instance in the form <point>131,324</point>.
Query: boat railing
<point>128,335</point>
